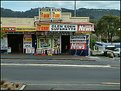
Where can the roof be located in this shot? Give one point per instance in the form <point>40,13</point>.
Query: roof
<point>78,23</point>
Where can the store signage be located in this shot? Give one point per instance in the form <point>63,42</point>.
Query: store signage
<point>85,28</point>
<point>50,13</point>
<point>80,37</point>
<point>63,27</point>
<point>45,13</point>
<point>22,29</point>
<point>43,27</point>
<point>77,46</point>
<point>8,29</point>
<point>78,42</point>
<point>56,13</point>
<point>27,41</point>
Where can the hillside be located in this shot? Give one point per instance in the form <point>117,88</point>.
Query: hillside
<point>82,12</point>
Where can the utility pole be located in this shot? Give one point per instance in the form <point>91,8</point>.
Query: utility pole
<point>75,8</point>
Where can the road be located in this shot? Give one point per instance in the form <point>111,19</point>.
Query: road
<point>65,78</point>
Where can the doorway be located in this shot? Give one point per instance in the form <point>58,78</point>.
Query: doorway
<point>65,43</point>
<point>15,41</point>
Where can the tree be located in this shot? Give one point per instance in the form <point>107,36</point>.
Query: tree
<point>108,27</point>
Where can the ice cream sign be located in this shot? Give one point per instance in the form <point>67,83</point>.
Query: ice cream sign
<point>85,27</point>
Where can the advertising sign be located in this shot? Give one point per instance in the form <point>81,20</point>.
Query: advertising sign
<point>45,13</point>
<point>8,29</point>
<point>22,29</point>
<point>43,27</point>
<point>45,43</point>
<point>78,42</point>
<point>4,43</point>
<point>85,28</point>
<point>63,27</point>
<point>27,41</point>
<point>56,13</point>
<point>49,14</point>
<point>77,46</point>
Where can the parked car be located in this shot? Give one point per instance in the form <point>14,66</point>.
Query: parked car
<point>113,51</point>
<point>117,52</point>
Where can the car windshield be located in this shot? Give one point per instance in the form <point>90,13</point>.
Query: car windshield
<point>110,48</point>
<point>116,49</point>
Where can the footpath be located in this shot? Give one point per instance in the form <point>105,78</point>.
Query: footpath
<point>46,57</point>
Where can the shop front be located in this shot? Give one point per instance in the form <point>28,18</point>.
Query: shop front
<point>19,39</point>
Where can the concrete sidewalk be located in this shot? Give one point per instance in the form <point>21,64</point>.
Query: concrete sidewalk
<point>40,57</point>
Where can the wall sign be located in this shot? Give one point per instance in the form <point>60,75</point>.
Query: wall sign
<point>45,13</point>
<point>22,29</point>
<point>43,27</point>
<point>63,27</point>
<point>85,28</point>
<point>50,13</point>
<point>9,29</point>
<point>56,13</point>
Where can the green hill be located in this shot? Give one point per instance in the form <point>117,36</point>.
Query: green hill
<point>81,12</point>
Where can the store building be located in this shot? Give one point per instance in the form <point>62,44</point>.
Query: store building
<point>48,33</point>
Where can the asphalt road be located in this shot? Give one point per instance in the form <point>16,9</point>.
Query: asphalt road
<point>64,77</point>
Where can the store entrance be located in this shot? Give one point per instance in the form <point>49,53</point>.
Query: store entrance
<point>15,41</point>
<point>65,43</point>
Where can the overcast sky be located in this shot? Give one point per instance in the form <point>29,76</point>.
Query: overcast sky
<point>27,5</point>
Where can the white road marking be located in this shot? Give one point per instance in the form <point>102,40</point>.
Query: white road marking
<point>110,83</point>
<point>55,65</point>
<point>22,88</point>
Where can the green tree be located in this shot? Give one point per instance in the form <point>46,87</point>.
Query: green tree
<point>108,27</point>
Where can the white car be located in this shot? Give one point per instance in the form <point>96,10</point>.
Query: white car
<point>117,52</point>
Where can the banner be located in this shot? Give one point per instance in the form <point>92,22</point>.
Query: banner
<point>63,27</point>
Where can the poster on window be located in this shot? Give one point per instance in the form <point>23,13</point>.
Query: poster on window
<point>45,43</point>
<point>56,42</point>
<point>4,43</point>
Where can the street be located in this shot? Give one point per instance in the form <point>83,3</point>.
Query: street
<point>65,77</point>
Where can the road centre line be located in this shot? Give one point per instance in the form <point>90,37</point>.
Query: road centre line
<point>55,65</point>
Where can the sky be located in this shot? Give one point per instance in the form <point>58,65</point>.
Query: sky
<point>27,5</point>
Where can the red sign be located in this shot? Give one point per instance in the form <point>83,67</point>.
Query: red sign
<point>8,29</point>
<point>85,28</point>
<point>78,46</point>
<point>44,27</point>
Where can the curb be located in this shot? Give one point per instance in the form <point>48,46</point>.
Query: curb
<point>22,88</point>
<point>52,59</point>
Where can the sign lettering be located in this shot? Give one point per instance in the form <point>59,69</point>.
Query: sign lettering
<point>63,27</point>
<point>86,28</point>
<point>8,29</point>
